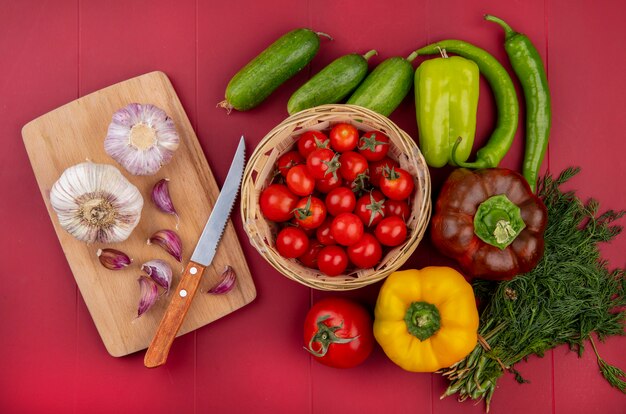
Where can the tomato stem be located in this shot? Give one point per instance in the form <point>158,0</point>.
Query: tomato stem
<point>325,336</point>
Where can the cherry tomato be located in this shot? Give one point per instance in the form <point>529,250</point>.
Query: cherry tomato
<point>309,257</point>
<point>397,208</point>
<point>371,208</point>
<point>343,137</point>
<point>396,184</point>
<point>346,228</point>
<point>291,242</point>
<point>329,183</point>
<point>365,253</point>
<point>310,141</point>
<point>391,231</point>
<point>332,260</point>
<point>309,232</point>
<point>310,212</point>
<point>338,332</point>
<point>299,181</point>
<point>377,168</point>
<point>288,160</point>
<point>374,145</point>
<point>340,200</point>
<point>322,163</point>
<point>277,203</point>
<point>352,165</point>
<point>323,233</point>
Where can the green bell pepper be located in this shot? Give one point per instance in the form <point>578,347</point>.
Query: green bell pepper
<point>446,101</point>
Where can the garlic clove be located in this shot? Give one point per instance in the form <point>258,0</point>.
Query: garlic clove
<point>148,294</point>
<point>113,259</point>
<point>142,138</point>
<point>160,272</point>
<point>161,198</point>
<point>229,277</point>
<point>169,241</point>
<point>96,203</point>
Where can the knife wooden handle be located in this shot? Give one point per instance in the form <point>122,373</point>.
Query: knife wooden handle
<point>156,355</point>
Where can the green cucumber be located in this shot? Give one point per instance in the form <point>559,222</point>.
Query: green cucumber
<point>385,88</point>
<point>270,69</point>
<point>331,84</point>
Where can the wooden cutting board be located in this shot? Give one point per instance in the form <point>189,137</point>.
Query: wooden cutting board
<point>75,132</point>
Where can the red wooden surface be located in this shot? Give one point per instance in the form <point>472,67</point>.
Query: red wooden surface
<point>51,52</point>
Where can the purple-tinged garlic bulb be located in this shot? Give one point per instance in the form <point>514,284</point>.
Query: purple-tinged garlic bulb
<point>142,138</point>
<point>96,203</point>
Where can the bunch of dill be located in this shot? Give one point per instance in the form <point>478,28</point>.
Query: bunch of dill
<point>567,297</point>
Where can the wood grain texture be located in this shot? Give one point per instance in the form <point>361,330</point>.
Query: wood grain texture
<point>75,132</point>
<point>156,355</point>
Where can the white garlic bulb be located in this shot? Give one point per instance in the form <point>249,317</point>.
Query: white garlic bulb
<point>96,203</point>
<point>142,138</point>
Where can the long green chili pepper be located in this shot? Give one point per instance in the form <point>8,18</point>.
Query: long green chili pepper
<point>531,73</point>
<point>504,92</point>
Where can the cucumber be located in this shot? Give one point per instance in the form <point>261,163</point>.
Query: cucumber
<point>385,88</point>
<point>331,84</point>
<point>271,68</point>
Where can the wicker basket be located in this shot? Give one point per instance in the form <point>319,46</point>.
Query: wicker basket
<point>281,139</point>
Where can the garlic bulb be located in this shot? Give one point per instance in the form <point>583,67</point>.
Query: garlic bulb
<point>142,138</point>
<point>96,203</point>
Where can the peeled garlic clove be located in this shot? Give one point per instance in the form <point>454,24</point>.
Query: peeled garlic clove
<point>162,199</point>
<point>160,272</point>
<point>169,241</point>
<point>96,203</point>
<point>148,294</point>
<point>226,284</point>
<point>142,138</point>
<point>113,259</point>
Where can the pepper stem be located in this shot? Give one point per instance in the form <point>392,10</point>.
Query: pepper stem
<point>412,57</point>
<point>498,221</point>
<point>508,30</point>
<point>422,320</point>
<point>325,336</point>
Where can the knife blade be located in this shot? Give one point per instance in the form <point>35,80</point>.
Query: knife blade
<point>201,258</point>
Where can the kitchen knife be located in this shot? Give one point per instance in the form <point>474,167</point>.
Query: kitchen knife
<point>200,259</point>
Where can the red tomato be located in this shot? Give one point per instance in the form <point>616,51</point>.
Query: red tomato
<point>332,260</point>
<point>397,208</point>
<point>310,212</point>
<point>309,232</point>
<point>338,333</point>
<point>322,163</point>
<point>377,168</point>
<point>374,145</point>
<point>365,253</point>
<point>299,181</point>
<point>391,231</point>
<point>310,141</point>
<point>291,242</point>
<point>277,203</point>
<point>340,200</point>
<point>327,184</point>
<point>323,233</point>
<point>288,160</point>
<point>352,165</point>
<point>371,208</point>
<point>343,137</point>
<point>347,229</point>
<point>396,184</point>
<point>309,257</point>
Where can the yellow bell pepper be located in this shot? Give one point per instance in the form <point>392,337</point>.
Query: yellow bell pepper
<point>426,319</point>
